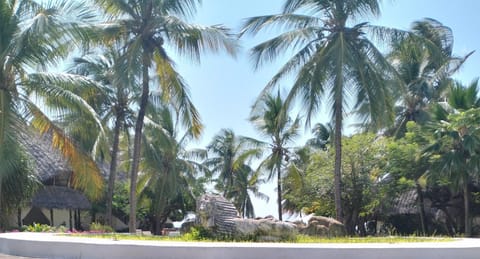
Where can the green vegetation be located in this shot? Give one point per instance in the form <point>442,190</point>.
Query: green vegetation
<point>122,108</point>
<point>300,239</point>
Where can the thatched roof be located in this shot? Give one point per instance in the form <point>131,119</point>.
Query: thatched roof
<point>59,197</point>
<point>406,203</point>
<point>49,162</point>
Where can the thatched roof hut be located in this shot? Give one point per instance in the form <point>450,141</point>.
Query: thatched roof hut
<point>49,162</point>
<point>405,203</point>
<point>60,197</point>
<point>54,172</point>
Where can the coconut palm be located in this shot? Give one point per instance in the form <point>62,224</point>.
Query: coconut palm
<point>425,63</point>
<point>332,59</point>
<point>270,119</point>
<point>294,180</point>
<point>146,27</point>
<point>455,154</point>
<point>322,136</point>
<point>38,35</point>
<point>456,144</point>
<point>112,103</point>
<point>464,97</point>
<point>170,171</point>
<point>230,158</point>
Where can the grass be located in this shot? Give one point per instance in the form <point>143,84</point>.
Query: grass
<point>299,239</point>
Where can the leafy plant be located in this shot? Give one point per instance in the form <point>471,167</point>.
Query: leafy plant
<point>198,233</point>
<point>99,228</point>
<point>36,227</point>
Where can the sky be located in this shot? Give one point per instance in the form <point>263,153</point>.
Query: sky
<point>224,88</point>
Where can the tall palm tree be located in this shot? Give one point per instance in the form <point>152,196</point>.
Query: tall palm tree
<point>270,119</point>
<point>145,27</point>
<point>230,158</point>
<point>425,62</point>
<point>170,170</point>
<point>332,59</point>
<point>112,103</point>
<point>38,35</point>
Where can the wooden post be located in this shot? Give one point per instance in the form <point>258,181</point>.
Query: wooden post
<point>19,217</point>
<point>51,217</point>
<point>70,219</point>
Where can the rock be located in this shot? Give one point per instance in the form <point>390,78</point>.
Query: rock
<point>324,227</point>
<point>220,216</point>
<point>265,229</point>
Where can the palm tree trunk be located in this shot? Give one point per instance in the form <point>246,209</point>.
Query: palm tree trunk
<point>113,168</point>
<point>466,200</point>
<point>1,209</point>
<point>338,167</point>
<point>279,189</point>
<point>338,155</point>
<point>137,141</point>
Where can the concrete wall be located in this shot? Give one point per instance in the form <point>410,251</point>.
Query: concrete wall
<point>49,246</point>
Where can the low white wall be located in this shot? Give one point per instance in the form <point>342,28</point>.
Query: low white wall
<point>49,246</point>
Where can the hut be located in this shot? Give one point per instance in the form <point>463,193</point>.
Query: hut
<point>60,198</point>
<point>55,198</point>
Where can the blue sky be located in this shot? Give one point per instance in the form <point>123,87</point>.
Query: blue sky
<point>223,89</point>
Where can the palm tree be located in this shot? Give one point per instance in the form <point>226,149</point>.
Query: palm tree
<point>294,180</point>
<point>230,158</point>
<point>35,35</point>
<point>456,145</point>
<point>455,153</point>
<point>270,119</point>
<point>17,180</point>
<point>463,97</point>
<point>334,60</point>
<point>111,102</point>
<point>424,62</point>
<point>145,27</point>
<point>322,136</point>
<point>170,171</point>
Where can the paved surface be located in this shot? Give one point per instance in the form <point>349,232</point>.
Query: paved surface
<point>4,256</point>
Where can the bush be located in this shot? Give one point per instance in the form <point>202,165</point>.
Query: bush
<point>40,228</point>
<point>198,233</point>
<point>99,228</point>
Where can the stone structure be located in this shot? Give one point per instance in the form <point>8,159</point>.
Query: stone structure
<point>323,227</point>
<point>220,216</point>
<point>216,213</point>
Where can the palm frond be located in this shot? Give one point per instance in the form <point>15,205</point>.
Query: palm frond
<point>86,174</point>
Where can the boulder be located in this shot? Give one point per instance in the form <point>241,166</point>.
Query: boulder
<point>324,227</point>
<point>266,229</point>
<point>220,216</point>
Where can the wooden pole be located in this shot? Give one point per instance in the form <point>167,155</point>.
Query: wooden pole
<point>70,219</point>
<point>51,217</point>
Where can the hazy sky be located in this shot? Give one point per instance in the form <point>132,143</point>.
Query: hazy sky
<point>223,89</point>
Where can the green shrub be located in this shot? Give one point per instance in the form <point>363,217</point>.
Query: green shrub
<point>99,228</point>
<point>40,228</point>
<point>198,233</point>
